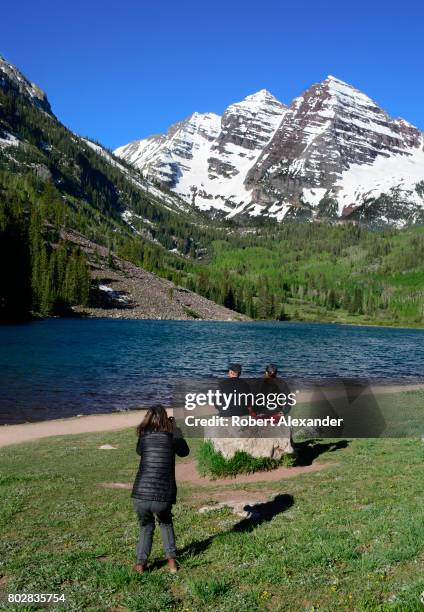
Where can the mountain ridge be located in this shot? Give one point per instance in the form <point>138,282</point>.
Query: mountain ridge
<point>298,161</point>
<point>25,86</point>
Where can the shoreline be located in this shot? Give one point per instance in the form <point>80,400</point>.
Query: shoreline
<point>113,421</point>
<point>239,318</point>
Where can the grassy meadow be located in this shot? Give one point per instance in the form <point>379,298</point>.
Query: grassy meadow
<point>348,537</point>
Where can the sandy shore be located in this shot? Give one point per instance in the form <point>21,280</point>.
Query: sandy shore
<point>16,434</point>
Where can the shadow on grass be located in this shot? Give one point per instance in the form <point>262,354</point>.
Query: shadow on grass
<point>257,514</point>
<point>263,512</point>
<point>306,452</point>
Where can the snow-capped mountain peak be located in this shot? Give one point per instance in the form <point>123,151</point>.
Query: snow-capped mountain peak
<point>262,157</point>
<point>205,157</point>
<point>259,98</point>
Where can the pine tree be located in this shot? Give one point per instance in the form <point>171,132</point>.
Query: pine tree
<point>15,286</point>
<point>356,305</point>
<point>229,299</point>
<point>332,300</point>
<point>282,316</point>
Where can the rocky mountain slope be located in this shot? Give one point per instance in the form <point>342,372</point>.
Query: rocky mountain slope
<point>332,154</point>
<point>11,77</point>
<point>127,291</point>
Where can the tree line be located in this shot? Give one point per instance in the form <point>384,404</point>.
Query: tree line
<point>40,273</point>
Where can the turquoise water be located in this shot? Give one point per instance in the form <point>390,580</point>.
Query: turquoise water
<point>62,367</point>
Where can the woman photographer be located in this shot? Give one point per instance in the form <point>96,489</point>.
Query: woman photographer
<point>155,489</point>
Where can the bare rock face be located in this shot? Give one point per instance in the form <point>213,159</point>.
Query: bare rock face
<point>168,158</point>
<point>205,158</point>
<point>246,127</point>
<point>328,129</point>
<point>42,171</point>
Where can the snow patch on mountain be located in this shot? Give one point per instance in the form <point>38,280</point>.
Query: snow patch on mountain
<point>361,182</point>
<point>9,140</point>
<point>313,196</point>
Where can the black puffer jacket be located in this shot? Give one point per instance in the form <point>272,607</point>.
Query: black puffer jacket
<point>155,478</point>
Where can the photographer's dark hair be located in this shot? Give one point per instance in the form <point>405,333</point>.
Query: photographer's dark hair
<point>156,419</point>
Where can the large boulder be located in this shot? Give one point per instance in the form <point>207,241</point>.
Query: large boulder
<point>259,442</point>
<point>274,448</point>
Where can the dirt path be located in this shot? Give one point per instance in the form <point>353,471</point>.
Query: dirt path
<point>187,472</point>
<point>27,432</point>
<point>252,503</point>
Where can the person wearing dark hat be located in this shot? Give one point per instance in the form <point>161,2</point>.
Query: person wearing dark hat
<point>235,386</point>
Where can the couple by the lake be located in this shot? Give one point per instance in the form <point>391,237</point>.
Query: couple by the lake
<point>154,491</point>
<point>268,396</point>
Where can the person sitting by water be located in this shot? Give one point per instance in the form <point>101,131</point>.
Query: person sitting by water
<point>238,389</point>
<point>270,387</point>
<point>155,490</point>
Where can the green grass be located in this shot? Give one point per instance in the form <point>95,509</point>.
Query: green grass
<point>213,463</point>
<point>352,539</point>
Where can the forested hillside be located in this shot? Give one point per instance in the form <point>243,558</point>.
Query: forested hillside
<point>51,179</point>
<point>41,273</point>
<point>343,273</point>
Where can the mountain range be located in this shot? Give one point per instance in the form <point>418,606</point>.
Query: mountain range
<point>213,208</point>
<point>331,154</point>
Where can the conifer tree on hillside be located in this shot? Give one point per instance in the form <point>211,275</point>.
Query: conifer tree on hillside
<point>15,266</point>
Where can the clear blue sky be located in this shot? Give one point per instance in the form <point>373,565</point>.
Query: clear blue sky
<point>117,71</point>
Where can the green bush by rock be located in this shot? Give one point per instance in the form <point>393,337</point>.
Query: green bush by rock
<point>212,463</point>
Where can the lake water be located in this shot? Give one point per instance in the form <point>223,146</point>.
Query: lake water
<point>60,367</point>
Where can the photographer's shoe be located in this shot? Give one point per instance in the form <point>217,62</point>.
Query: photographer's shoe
<point>139,568</point>
<point>172,564</point>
